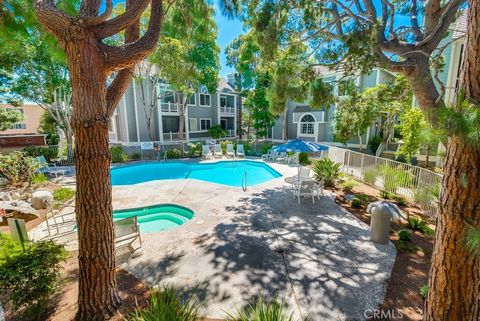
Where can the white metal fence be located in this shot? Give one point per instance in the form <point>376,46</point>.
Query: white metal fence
<point>418,185</point>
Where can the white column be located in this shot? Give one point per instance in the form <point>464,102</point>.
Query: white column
<point>187,124</point>
<point>160,121</point>
<point>124,108</point>
<point>136,112</point>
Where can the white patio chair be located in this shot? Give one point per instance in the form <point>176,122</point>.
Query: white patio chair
<point>49,170</point>
<point>307,189</point>
<point>273,156</point>
<point>206,151</point>
<point>303,172</point>
<point>240,151</point>
<point>282,157</point>
<point>127,230</point>
<point>217,151</point>
<point>230,151</point>
<point>294,159</point>
<point>265,157</point>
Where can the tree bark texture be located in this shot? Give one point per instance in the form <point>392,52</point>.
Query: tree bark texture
<point>454,280</point>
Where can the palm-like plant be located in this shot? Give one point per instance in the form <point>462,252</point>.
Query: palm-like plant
<point>262,311</point>
<point>327,170</point>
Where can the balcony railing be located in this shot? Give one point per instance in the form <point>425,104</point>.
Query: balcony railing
<point>171,136</point>
<point>227,110</point>
<point>169,108</point>
<point>230,133</point>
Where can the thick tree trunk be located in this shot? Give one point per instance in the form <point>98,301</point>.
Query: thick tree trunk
<point>93,204</point>
<point>454,281</point>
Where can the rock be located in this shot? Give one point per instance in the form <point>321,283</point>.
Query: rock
<point>25,196</point>
<point>41,199</point>
<point>18,206</point>
<point>395,211</point>
<point>15,196</point>
<point>5,197</point>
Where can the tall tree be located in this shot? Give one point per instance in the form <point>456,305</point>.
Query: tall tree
<point>362,34</point>
<point>91,62</point>
<point>187,55</point>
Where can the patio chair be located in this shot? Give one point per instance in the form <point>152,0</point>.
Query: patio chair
<point>206,151</point>
<point>294,159</point>
<point>240,151</point>
<point>282,157</point>
<point>265,157</point>
<point>217,151</point>
<point>303,172</point>
<point>307,189</point>
<point>273,156</point>
<point>230,151</point>
<point>50,170</point>
<point>127,230</point>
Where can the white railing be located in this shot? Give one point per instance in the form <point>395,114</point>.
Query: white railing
<point>230,133</point>
<point>169,107</point>
<point>227,110</point>
<point>418,185</point>
<point>171,136</point>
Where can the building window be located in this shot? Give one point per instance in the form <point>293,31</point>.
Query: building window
<point>205,124</point>
<point>19,126</point>
<point>192,125</point>
<point>191,100</point>
<point>307,125</point>
<point>204,100</point>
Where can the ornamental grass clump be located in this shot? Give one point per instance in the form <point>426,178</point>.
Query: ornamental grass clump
<point>263,311</point>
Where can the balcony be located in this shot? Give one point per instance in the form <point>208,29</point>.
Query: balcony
<point>169,108</point>
<point>170,136</point>
<point>227,110</point>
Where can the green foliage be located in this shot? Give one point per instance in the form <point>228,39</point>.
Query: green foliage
<point>405,235</point>
<point>166,304</point>
<point>17,167</point>
<point>411,127</point>
<point>385,194</point>
<point>63,194</point>
<point>356,203</point>
<point>418,224</point>
<point>50,153</point>
<point>31,276</point>
<point>135,156</point>
<point>223,145</point>
<point>400,200</point>
<point>363,197</point>
<point>424,291</point>
<point>216,132</point>
<point>265,147</point>
<point>48,126</point>
<point>195,149</point>
<point>373,143</point>
<point>118,154</point>
<point>463,121</point>
<point>8,117</point>
<point>406,246</point>
<point>174,153</point>
<point>348,185</point>
<point>263,311</point>
<point>303,159</point>
<point>39,178</point>
<point>328,170</point>
<point>472,240</point>
<point>394,177</point>
<point>370,176</point>
<point>427,194</point>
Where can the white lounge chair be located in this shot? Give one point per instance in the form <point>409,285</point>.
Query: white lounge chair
<point>282,157</point>
<point>230,151</point>
<point>50,170</point>
<point>273,156</point>
<point>294,159</point>
<point>206,151</point>
<point>307,188</point>
<point>240,151</point>
<point>266,157</point>
<point>217,151</point>
<point>127,230</point>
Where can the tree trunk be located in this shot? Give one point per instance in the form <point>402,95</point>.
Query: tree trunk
<point>181,120</point>
<point>360,141</point>
<point>454,281</point>
<point>69,138</point>
<point>285,124</point>
<point>427,157</point>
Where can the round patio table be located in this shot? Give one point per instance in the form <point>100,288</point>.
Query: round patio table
<point>295,180</point>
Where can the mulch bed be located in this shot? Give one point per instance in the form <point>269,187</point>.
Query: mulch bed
<point>410,271</point>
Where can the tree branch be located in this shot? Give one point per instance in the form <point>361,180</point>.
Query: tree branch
<point>92,21</point>
<point>118,58</point>
<point>53,19</point>
<point>414,21</point>
<point>123,21</point>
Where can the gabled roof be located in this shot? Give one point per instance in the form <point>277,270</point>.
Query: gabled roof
<point>224,86</point>
<point>302,109</point>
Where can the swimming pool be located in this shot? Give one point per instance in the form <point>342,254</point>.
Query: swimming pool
<point>157,218</point>
<point>229,173</point>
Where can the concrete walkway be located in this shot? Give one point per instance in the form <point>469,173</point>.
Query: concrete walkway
<point>241,244</point>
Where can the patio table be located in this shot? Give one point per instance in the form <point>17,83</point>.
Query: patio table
<point>295,180</point>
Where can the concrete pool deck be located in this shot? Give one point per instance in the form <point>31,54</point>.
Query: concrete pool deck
<point>318,257</point>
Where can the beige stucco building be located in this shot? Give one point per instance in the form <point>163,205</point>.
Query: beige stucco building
<point>32,114</point>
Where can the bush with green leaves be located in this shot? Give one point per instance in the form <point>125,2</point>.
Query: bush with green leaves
<point>195,149</point>
<point>370,176</point>
<point>50,152</point>
<point>135,156</point>
<point>174,153</point>
<point>63,194</point>
<point>418,224</point>
<point>39,178</point>
<point>217,132</point>
<point>303,159</point>
<point>348,185</point>
<point>223,145</point>
<point>31,276</point>
<point>166,304</point>
<point>404,235</point>
<point>400,200</point>
<point>373,143</point>
<point>327,170</point>
<point>263,311</point>
<point>356,202</point>
<point>17,167</point>
<point>118,154</point>
<point>386,195</point>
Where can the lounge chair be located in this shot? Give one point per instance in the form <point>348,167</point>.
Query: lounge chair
<point>50,170</point>
<point>282,157</point>
<point>230,151</point>
<point>127,230</point>
<point>266,157</point>
<point>217,151</point>
<point>240,151</point>
<point>293,159</point>
<point>206,151</point>
<point>272,156</point>
<point>308,188</point>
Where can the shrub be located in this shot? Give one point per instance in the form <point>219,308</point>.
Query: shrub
<point>223,146</point>
<point>63,194</point>
<point>174,153</point>
<point>418,224</point>
<point>370,176</point>
<point>195,149</point>
<point>385,194</point>
<point>217,132</point>
<point>428,194</point>
<point>263,311</point>
<point>166,305</point>
<point>405,235</point>
<point>39,178</point>
<point>356,203</point>
<point>406,246</point>
<point>347,186</point>
<point>328,170</point>
<point>32,275</point>
<point>424,291</point>
<point>266,146</point>
<point>373,143</point>
<point>17,167</point>
<point>303,159</point>
<point>50,152</point>
<point>400,200</point>
<point>118,154</point>
<point>363,197</point>
<point>394,177</point>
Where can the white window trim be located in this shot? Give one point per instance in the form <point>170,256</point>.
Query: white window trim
<point>299,126</point>
<point>194,100</point>
<point>200,100</point>
<point>200,130</point>
<point>196,125</point>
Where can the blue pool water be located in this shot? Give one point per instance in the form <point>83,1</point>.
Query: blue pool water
<point>224,172</point>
